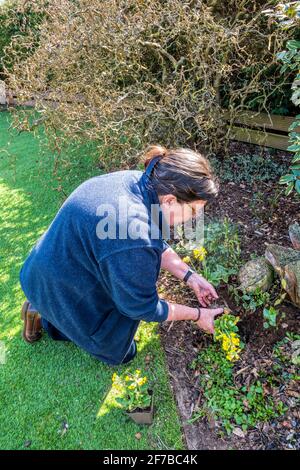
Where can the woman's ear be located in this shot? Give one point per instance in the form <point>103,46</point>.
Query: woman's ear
<point>168,199</point>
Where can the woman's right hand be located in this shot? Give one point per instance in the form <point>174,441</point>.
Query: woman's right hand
<point>207,317</point>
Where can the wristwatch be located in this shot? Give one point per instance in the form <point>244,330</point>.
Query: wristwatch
<point>188,275</point>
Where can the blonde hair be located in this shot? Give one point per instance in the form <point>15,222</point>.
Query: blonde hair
<point>182,172</point>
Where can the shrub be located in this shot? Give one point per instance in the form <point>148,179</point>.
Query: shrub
<point>18,18</point>
<point>130,73</point>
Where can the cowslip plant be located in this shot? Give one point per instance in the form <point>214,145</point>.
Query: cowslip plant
<point>223,246</point>
<point>213,273</point>
<point>134,390</point>
<point>226,332</point>
<point>199,254</point>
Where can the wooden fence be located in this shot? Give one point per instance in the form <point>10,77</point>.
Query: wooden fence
<point>264,129</point>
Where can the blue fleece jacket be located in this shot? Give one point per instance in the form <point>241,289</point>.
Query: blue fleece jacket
<point>95,290</point>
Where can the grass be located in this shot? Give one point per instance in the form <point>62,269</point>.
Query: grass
<point>52,394</point>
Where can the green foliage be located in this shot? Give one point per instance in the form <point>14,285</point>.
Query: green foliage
<point>224,400</point>
<point>249,168</point>
<point>222,252</point>
<point>223,242</point>
<point>292,179</point>
<point>270,314</point>
<point>217,274</point>
<point>288,15</point>
<point>270,317</point>
<point>250,301</point>
<point>223,247</point>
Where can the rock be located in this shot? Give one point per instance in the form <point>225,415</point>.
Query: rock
<point>296,344</point>
<point>296,357</point>
<point>238,432</point>
<point>286,263</point>
<point>256,273</point>
<point>294,233</point>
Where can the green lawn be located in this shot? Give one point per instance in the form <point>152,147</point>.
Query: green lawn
<point>48,384</point>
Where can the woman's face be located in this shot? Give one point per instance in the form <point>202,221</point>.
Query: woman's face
<point>179,212</point>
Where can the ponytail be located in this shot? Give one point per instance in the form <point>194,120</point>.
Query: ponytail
<point>182,172</point>
<point>152,152</point>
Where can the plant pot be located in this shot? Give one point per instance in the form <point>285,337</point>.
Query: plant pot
<point>143,416</point>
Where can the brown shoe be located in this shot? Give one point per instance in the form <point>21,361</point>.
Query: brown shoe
<point>32,330</point>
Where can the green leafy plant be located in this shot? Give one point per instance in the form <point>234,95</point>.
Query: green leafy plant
<point>219,258</point>
<point>134,389</point>
<point>270,316</point>
<point>249,168</point>
<point>250,301</point>
<point>292,179</point>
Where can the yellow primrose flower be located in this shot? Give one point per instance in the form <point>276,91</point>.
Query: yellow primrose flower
<point>114,377</point>
<point>235,340</point>
<point>186,259</point>
<point>199,253</point>
<point>127,378</point>
<point>142,381</point>
<point>138,372</point>
<point>131,387</point>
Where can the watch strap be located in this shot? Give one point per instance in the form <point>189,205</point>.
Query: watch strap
<point>188,275</point>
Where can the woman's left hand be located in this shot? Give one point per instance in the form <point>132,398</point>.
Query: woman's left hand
<point>204,291</point>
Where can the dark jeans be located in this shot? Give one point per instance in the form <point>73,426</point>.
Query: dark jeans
<point>57,335</point>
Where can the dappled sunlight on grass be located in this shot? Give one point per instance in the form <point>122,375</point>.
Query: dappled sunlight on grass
<point>108,404</point>
<point>16,331</point>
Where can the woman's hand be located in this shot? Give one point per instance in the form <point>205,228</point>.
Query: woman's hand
<point>207,317</point>
<point>204,291</point>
